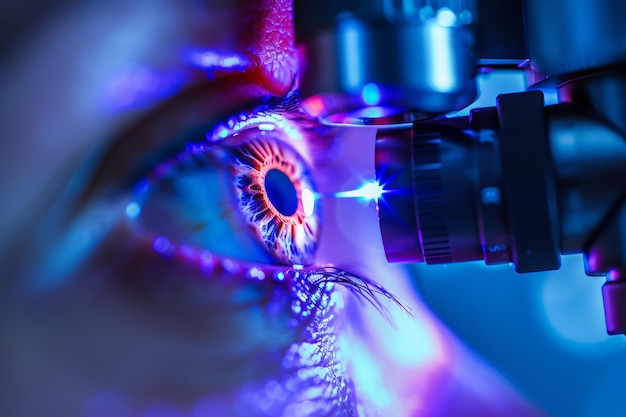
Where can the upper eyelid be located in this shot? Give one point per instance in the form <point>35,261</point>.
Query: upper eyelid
<point>284,117</point>
<point>203,152</point>
<point>273,111</point>
<point>162,133</point>
<point>280,115</point>
<point>262,121</point>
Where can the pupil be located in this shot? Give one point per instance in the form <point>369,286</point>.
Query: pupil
<point>281,192</point>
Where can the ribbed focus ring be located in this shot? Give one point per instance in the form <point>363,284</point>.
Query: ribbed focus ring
<point>429,199</point>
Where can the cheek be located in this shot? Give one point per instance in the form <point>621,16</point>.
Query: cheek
<point>154,328</point>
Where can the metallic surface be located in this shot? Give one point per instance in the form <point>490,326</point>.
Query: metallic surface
<point>396,211</point>
<point>566,36</point>
<point>589,147</point>
<point>420,57</point>
<point>445,186</point>
<point>589,160</point>
<point>490,207</point>
<point>614,294</point>
<point>602,93</point>
<point>528,182</point>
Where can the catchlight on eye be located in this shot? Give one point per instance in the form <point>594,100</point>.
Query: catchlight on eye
<point>369,191</point>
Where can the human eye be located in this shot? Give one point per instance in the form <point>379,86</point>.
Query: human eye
<point>244,194</point>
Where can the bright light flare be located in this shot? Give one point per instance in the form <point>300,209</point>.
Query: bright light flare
<point>369,191</point>
<point>370,94</point>
<point>308,202</point>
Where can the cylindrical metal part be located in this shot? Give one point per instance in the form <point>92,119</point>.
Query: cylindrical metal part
<point>528,182</point>
<point>474,199</point>
<point>567,36</point>
<point>602,94</point>
<point>589,158</point>
<point>445,187</point>
<point>429,205</point>
<point>409,55</point>
<point>396,211</point>
<point>492,223</point>
<point>614,296</point>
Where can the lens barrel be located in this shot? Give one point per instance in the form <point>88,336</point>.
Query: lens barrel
<point>470,188</point>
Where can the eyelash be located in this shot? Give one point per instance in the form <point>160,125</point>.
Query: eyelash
<point>305,278</point>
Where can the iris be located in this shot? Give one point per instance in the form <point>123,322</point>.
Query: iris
<point>269,180</point>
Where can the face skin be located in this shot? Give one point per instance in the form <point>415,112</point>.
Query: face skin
<point>99,319</point>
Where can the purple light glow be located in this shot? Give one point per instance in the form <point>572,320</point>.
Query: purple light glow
<point>230,266</point>
<point>256,273</point>
<point>212,61</point>
<point>161,245</point>
<point>162,410</point>
<point>140,87</point>
<point>188,253</point>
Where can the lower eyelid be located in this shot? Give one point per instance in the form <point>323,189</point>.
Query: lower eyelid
<point>211,263</point>
<point>301,280</point>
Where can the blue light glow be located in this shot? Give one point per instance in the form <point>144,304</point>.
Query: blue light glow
<point>352,54</point>
<point>261,121</point>
<point>370,94</point>
<point>441,58</point>
<point>217,61</point>
<point>369,191</point>
<point>267,127</point>
<point>446,17</point>
<point>133,210</point>
<point>373,112</point>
